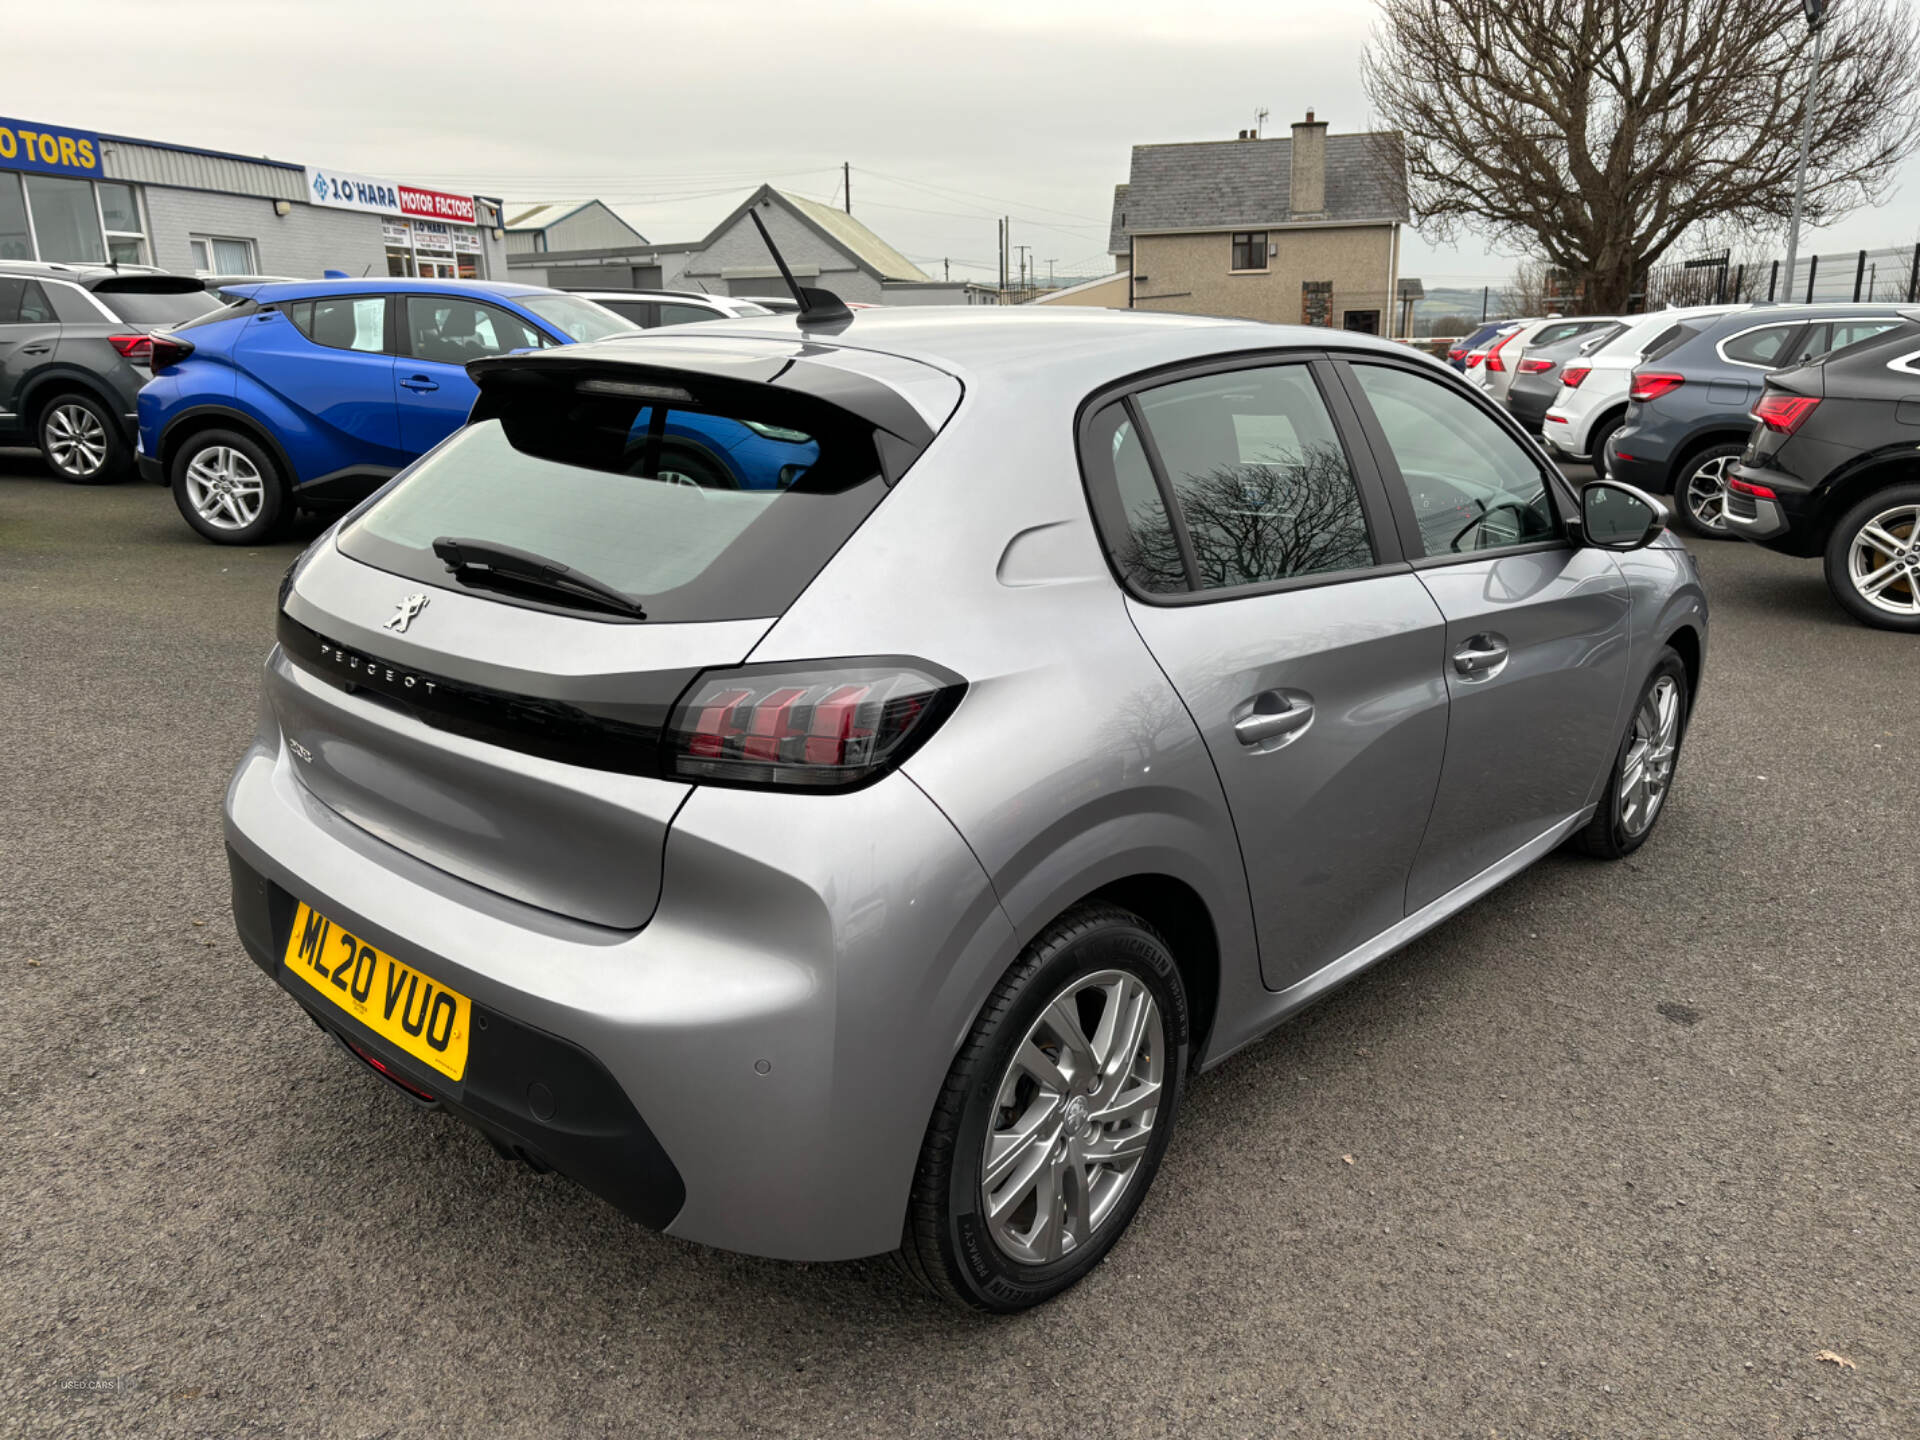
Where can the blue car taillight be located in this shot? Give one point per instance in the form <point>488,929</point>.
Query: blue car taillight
<point>836,725</point>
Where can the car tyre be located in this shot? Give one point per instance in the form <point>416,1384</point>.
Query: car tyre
<point>230,489</point>
<point>1644,766</point>
<point>82,441</point>
<point>1879,539</point>
<point>685,465</point>
<point>1700,492</point>
<point>1096,963</point>
<point>1597,443</point>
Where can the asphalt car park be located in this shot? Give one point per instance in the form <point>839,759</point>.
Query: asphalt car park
<point>1619,1150</point>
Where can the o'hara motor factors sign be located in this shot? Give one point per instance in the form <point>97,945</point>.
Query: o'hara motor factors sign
<point>344,191</point>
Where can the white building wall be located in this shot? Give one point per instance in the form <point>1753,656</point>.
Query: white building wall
<point>307,242</point>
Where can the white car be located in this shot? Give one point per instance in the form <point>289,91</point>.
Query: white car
<point>1593,390</point>
<point>650,309</point>
<point>1508,350</point>
<point>1476,363</point>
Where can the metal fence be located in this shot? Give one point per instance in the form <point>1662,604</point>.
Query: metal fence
<point>1872,276</point>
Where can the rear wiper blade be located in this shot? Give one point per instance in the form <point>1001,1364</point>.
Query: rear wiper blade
<point>481,560</point>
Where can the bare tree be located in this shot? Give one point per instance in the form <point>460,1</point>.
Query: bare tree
<point>1531,291</point>
<point>1597,133</point>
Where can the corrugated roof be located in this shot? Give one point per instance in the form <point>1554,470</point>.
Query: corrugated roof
<point>539,217</point>
<point>857,240</point>
<point>1218,184</point>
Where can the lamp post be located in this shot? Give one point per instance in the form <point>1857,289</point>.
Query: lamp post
<point>1817,23</point>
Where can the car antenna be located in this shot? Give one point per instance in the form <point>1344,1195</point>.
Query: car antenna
<point>817,307</point>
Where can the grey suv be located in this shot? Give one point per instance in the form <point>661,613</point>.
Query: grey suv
<point>1689,399</point>
<point>862,862</point>
<point>74,342</point>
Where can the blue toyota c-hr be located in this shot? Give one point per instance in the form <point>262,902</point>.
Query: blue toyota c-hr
<point>311,394</point>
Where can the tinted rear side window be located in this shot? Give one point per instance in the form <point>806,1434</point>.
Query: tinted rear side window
<point>166,307</point>
<point>1765,346</point>
<point>721,503</point>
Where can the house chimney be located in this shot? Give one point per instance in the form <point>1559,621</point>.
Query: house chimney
<point>1309,163</point>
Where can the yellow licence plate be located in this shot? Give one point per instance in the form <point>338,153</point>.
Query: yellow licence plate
<point>392,999</point>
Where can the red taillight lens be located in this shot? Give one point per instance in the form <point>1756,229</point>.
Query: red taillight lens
<point>132,347</point>
<point>165,350</point>
<point>1747,487</point>
<point>1784,413</point>
<point>1474,359</point>
<point>1574,374</point>
<point>828,727</point>
<point>1494,362</point>
<point>1535,367</point>
<point>1455,353</point>
<point>1645,385</point>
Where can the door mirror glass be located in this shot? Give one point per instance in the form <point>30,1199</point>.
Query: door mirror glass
<point>1619,517</point>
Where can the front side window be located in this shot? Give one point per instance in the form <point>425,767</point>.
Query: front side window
<point>65,221</point>
<point>1259,474</point>
<point>1250,250</point>
<point>672,314</point>
<point>1472,485</point>
<point>453,330</point>
<point>347,322</point>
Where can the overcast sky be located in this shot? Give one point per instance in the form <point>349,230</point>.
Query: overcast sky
<point>672,110</point>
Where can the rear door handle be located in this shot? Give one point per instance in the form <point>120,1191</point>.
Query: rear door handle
<point>35,349</point>
<point>420,384</point>
<point>1282,715</point>
<point>1481,656</point>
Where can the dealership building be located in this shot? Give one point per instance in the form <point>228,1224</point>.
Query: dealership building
<point>78,197</point>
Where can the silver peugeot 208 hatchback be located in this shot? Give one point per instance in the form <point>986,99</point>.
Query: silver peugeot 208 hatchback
<point>824,787</point>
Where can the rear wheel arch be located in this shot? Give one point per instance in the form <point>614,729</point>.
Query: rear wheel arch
<point>1699,444</point>
<point>49,385</point>
<point>1605,422</point>
<point>1177,913</point>
<point>182,429</point>
<point>1881,473</point>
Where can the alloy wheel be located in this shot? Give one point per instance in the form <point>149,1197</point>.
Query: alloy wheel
<point>1647,770</point>
<point>1706,494</point>
<point>225,488</point>
<point>1073,1117</point>
<point>1883,562</point>
<point>75,440</point>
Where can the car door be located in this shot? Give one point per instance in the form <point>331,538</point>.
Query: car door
<point>1536,627</point>
<point>28,335</point>
<point>644,313</point>
<point>326,361</point>
<point>439,335</point>
<point>1262,572</point>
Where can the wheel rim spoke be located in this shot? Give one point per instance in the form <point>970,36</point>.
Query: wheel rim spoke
<point>1884,566</point>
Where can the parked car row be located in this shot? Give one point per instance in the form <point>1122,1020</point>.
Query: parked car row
<point>254,397</point>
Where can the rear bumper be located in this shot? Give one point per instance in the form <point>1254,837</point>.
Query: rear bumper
<point>151,469</point>
<point>1762,519</point>
<point>1556,428</point>
<point>785,1050</point>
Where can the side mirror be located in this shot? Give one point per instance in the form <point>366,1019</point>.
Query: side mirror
<point>1614,516</point>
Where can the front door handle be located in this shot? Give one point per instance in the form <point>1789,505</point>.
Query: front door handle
<point>35,349</point>
<point>1481,656</point>
<point>420,384</point>
<point>1282,715</point>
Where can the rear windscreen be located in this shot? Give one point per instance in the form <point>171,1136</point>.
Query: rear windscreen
<point>720,501</point>
<point>147,307</point>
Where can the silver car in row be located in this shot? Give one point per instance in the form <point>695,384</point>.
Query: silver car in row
<point>857,853</point>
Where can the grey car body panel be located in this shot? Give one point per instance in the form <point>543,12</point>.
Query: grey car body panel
<point>848,941</point>
<point>1530,394</point>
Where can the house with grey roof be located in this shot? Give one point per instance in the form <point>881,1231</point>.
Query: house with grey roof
<point>541,228</point>
<point>1301,230</point>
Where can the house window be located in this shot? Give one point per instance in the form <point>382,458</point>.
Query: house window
<point>1316,302</point>
<point>1250,250</point>
<point>120,220</point>
<point>48,217</point>
<point>222,255</point>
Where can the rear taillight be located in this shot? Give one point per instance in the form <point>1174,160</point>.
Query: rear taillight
<point>1474,359</point>
<point>1747,487</point>
<point>835,726</point>
<point>131,347</point>
<point>1645,385</point>
<point>165,350</point>
<point>1494,362</point>
<point>1535,367</point>
<point>1784,413</point>
<point>1455,353</point>
<point>1574,374</point>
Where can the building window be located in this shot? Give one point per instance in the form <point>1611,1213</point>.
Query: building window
<point>120,219</point>
<point>1250,250</point>
<point>222,255</point>
<point>1316,302</point>
<point>47,217</point>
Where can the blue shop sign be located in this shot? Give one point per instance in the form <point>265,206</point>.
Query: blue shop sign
<point>48,150</point>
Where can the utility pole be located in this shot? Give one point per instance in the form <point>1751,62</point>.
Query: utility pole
<point>1023,266</point>
<point>846,184</point>
<point>1050,272</point>
<point>1816,22</point>
<point>946,269</point>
